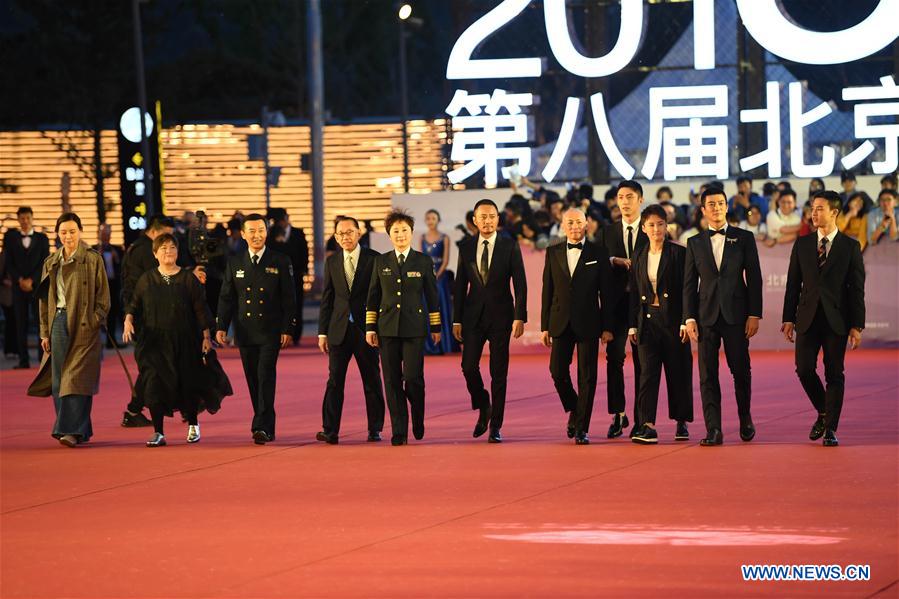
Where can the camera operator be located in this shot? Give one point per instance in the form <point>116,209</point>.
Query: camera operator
<point>206,253</point>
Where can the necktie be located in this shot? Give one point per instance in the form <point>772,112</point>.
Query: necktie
<point>485,264</point>
<point>401,259</point>
<point>255,260</point>
<point>630,241</point>
<point>350,270</point>
<point>716,232</point>
<point>575,246</point>
<point>822,253</point>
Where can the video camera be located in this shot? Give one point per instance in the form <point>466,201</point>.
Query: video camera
<point>202,247</point>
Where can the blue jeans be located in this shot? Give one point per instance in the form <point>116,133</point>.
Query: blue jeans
<point>73,412</point>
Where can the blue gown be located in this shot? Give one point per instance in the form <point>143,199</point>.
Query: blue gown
<point>448,343</point>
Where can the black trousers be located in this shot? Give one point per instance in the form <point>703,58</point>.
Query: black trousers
<point>819,336</point>
<point>24,306</point>
<point>736,351</point>
<point>661,347</point>
<point>559,362</point>
<point>353,346</point>
<point>473,340</point>
<point>403,361</point>
<point>615,354</point>
<point>259,367</point>
<point>188,411</point>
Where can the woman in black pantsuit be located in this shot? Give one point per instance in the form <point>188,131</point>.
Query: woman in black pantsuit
<point>656,321</point>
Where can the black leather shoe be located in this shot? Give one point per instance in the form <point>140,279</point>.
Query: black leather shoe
<point>495,436</point>
<point>830,439</point>
<point>261,437</point>
<point>418,431</point>
<point>374,436</point>
<point>321,436</point>
<point>130,420</point>
<point>619,423</point>
<point>817,429</point>
<point>747,432</point>
<point>398,440</point>
<point>483,421</point>
<point>635,430</point>
<point>646,436</point>
<point>682,434</point>
<point>581,439</point>
<point>714,437</point>
<point>572,417</point>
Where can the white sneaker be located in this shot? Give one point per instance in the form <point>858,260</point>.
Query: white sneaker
<point>193,433</point>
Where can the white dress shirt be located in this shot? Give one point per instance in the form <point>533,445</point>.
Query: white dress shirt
<point>26,238</point>
<point>830,237</point>
<point>636,231</point>
<point>479,251</point>
<point>404,254</point>
<point>718,245</point>
<point>573,255</point>
<point>261,252</point>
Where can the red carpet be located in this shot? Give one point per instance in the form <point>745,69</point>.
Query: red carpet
<point>449,516</point>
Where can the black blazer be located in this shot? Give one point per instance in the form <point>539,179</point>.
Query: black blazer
<point>669,287</point>
<point>490,302</point>
<point>394,307</point>
<point>296,248</point>
<point>259,299</point>
<point>708,292</point>
<point>611,237</point>
<point>338,300</point>
<point>22,263</point>
<point>839,287</point>
<point>575,300</point>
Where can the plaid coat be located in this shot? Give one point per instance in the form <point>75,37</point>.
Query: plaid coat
<point>87,303</point>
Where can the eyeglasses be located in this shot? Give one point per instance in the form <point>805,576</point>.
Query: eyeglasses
<point>345,233</point>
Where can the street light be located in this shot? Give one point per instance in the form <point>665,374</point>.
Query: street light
<point>405,15</point>
<point>405,12</point>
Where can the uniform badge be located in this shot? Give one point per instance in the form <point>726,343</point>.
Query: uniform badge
<point>238,274</point>
<point>272,270</point>
<point>386,271</point>
<point>413,273</point>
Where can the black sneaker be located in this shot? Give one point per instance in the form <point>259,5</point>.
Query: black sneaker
<point>682,434</point>
<point>130,420</point>
<point>646,436</point>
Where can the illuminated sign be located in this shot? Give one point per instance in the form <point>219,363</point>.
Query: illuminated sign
<point>686,135</point>
<point>136,202</point>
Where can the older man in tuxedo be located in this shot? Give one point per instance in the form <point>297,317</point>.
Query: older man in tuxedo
<point>722,302</point>
<point>483,310</point>
<point>824,305</point>
<point>576,280</point>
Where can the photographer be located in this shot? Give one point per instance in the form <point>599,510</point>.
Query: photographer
<point>882,220</point>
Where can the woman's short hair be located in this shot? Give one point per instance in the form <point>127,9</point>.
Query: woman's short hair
<point>67,217</point>
<point>163,239</point>
<point>653,210</point>
<point>398,216</point>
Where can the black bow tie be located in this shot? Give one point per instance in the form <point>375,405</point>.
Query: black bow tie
<point>716,232</point>
<point>575,246</point>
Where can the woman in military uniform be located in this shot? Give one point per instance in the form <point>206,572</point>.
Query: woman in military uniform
<point>398,323</point>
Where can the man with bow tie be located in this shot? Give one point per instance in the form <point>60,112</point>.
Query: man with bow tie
<point>26,251</point>
<point>722,302</point>
<point>341,331</point>
<point>576,280</point>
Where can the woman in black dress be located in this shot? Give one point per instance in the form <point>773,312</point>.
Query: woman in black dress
<point>170,309</point>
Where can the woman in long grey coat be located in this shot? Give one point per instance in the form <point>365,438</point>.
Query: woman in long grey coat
<point>74,302</point>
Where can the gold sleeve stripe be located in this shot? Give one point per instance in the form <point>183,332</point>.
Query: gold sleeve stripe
<point>371,317</point>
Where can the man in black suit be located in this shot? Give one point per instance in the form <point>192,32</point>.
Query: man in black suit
<point>722,302</point>
<point>295,247</point>
<point>258,296</point>
<point>26,250</point>
<point>341,331</point>
<point>576,276</point>
<point>402,307</point>
<point>824,304</point>
<point>623,241</point>
<point>483,310</point>
<point>112,261</point>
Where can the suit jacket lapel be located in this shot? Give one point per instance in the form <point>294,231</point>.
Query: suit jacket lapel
<point>663,263</point>
<point>831,255</point>
<point>726,251</point>
<point>360,267</point>
<point>562,259</point>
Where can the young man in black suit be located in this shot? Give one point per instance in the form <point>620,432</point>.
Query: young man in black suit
<point>824,305</point>
<point>295,247</point>
<point>341,331</point>
<point>576,276</point>
<point>26,250</point>
<point>402,307</point>
<point>483,310</point>
<point>722,302</point>
<point>258,296</point>
<point>622,241</point>
<point>656,317</point>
